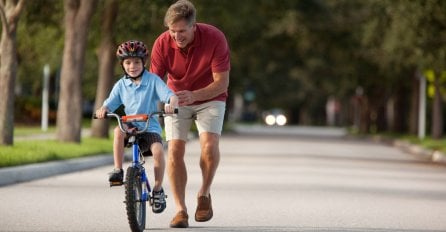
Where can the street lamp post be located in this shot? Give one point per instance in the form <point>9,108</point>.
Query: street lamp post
<point>422,108</point>
<point>45,96</point>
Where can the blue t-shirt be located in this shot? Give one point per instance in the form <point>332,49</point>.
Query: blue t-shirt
<point>140,99</point>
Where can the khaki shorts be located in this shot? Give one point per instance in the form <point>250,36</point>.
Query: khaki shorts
<point>208,117</point>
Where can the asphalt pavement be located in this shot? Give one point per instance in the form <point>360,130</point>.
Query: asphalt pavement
<point>264,183</point>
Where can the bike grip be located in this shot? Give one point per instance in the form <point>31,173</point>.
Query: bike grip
<point>175,111</point>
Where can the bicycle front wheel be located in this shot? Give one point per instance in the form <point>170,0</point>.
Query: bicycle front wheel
<point>135,205</point>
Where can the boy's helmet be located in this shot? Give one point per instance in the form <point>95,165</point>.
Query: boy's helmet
<point>132,48</point>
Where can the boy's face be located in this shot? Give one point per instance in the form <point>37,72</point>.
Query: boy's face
<point>133,66</point>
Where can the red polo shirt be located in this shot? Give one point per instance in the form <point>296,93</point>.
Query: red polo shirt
<point>208,53</point>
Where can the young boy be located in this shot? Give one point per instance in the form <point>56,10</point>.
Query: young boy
<point>139,91</point>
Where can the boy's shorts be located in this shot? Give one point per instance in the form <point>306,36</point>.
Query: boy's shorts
<point>208,117</point>
<point>145,141</point>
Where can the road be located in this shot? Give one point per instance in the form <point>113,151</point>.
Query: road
<point>264,183</point>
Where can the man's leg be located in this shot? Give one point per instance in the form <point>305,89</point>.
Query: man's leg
<point>178,179</point>
<point>210,157</point>
<point>177,172</point>
<point>177,128</point>
<point>209,160</point>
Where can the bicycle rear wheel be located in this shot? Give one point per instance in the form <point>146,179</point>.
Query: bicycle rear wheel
<point>135,206</point>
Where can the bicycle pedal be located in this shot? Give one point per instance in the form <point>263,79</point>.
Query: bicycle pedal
<point>112,184</point>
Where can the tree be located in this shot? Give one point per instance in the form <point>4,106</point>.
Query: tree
<point>416,36</point>
<point>106,56</point>
<point>9,13</point>
<point>69,114</point>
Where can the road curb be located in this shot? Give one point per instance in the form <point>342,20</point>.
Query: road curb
<point>23,173</point>
<point>416,150</point>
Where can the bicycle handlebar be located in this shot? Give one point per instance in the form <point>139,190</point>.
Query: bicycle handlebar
<point>135,118</point>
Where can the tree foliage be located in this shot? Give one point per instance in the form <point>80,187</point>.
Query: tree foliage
<point>292,54</point>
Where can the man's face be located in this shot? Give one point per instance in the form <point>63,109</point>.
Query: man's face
<point>182,33</point>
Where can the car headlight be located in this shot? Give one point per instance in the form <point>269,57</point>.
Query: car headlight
<point>270,120</point>
<point>281,120</point>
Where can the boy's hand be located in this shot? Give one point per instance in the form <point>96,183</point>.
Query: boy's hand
<point>101,112</point>
<point>173,104</point>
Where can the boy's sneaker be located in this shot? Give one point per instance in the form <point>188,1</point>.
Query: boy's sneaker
<point>116,177</point>
<point>159,201</point>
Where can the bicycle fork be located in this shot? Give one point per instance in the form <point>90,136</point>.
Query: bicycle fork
<point>145,196</point>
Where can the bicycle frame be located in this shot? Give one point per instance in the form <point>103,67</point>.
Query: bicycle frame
<point>138,190</point>
<point>138,164</point>
<point>136,154</point>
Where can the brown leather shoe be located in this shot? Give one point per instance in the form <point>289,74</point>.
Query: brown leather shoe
<point>204,209</point>
<point>180,220</point>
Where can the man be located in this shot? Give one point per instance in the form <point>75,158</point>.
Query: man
<point>195,57</point>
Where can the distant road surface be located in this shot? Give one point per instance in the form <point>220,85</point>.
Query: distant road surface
<point>279,182</point>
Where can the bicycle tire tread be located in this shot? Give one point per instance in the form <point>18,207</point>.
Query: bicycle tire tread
<point>132,190</point>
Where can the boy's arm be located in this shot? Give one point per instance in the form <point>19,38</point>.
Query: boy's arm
<point>111,103</point>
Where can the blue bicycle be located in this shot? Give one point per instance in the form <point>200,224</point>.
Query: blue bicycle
<point>137,186</point>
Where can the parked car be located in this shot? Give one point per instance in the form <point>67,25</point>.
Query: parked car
<point>275,117</point>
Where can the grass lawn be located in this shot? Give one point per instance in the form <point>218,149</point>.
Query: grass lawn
<point>429,143</point>
<point>34,151</point>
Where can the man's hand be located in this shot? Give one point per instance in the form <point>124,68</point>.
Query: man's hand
<point>185,97</point>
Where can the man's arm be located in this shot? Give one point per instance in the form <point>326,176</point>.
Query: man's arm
<point>219,86</point>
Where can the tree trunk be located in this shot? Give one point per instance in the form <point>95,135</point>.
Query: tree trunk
<point>437,109</point>
<point>107,58</point>
<point>69,113</point>
<point>364,125</point>
<point>9,13</point>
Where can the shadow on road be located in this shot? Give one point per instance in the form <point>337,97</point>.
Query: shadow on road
<point>296,229</point>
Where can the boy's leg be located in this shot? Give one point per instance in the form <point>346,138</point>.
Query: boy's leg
<point>159,165</point>
<point>118,148</point>
<point>156,148</point>
<point>116,177</point>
